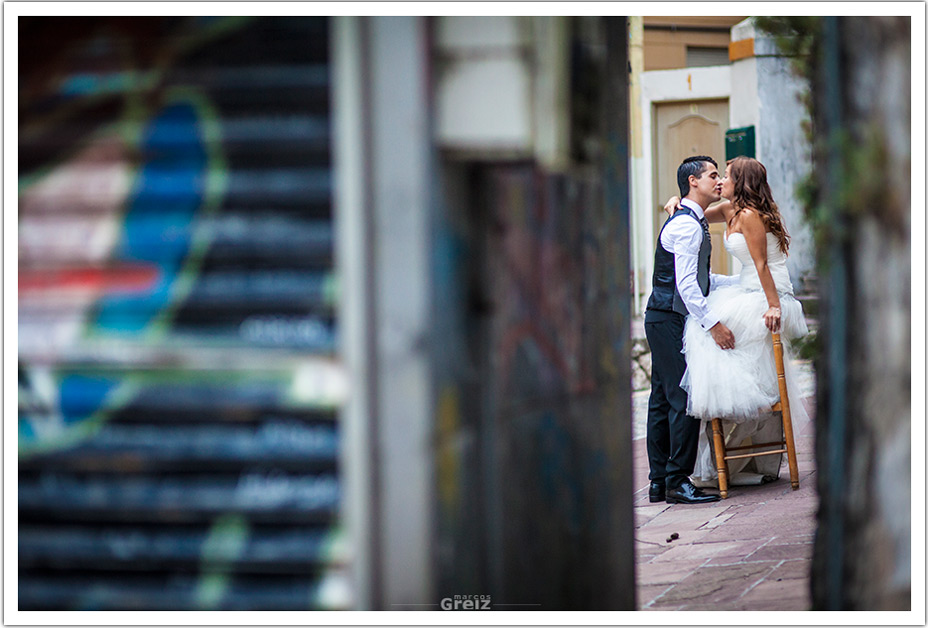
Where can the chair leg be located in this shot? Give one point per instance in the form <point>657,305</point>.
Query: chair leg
<point>790,448</point>
<point>720,464</point>
<point>787,418</point>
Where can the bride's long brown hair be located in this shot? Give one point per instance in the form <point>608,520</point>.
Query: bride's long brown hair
<point>751,190</point>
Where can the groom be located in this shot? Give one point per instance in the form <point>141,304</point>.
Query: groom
<point>680,285</point>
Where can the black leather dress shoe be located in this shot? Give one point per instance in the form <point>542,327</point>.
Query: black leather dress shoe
<point>687,493</point>
<point>656,492</point>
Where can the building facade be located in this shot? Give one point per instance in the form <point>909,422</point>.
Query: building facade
<point>687,98</point>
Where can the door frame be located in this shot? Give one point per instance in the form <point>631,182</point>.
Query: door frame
<point>658,87</point>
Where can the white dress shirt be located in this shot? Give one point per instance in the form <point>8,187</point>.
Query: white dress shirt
<point>683,237</point>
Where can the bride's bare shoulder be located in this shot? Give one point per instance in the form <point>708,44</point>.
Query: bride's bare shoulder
<point>750,215</point>
<point>751,221</point>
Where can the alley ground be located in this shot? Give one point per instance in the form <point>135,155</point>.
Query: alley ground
<point>750,552</point>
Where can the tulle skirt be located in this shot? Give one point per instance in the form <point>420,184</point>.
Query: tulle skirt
<point>740,385</point>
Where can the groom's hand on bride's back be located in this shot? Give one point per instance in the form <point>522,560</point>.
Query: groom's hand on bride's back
<point>722,336</point>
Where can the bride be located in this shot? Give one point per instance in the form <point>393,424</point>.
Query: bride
<point>740,384</point>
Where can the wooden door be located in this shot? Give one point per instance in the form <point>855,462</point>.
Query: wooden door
<point>683,129</point>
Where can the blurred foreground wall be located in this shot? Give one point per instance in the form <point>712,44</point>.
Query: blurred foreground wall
<point>482,191</point>
<point>533,382</point>
<point>862,103</point>
<point>178,441</point>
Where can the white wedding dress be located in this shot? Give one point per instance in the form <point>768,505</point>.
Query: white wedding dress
<point>740,385</point>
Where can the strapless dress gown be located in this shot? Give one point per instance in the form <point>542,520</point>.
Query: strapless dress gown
<point>740,385</point>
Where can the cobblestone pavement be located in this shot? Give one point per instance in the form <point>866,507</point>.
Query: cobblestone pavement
<point>749,552</point>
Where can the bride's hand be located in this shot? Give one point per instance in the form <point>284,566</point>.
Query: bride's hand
<point>671,206</point>
<point>772,319</point>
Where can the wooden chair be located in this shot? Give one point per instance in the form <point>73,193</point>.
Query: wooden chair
<point>785,446</point>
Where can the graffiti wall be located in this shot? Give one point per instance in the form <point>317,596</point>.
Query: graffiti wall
<point>177,380</point>
<point>560,423</point>
<point>533,377</point>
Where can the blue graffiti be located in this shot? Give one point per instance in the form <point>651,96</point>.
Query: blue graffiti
<point>160,216</point>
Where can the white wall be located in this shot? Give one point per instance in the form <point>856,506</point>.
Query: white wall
<point>384,171</point>
<point>502,87</point>
<point>766,95</point>
<point>484,88</point>
<point>352,244</point>
<point>656,87</point>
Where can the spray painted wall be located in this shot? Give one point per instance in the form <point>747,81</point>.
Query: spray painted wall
<point>559,426</point>
<point>177,379</point>
<point>533,383</point>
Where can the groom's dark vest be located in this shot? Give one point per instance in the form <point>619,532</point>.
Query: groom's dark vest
<point>664,294</point>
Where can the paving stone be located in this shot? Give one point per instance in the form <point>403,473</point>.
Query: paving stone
<point>663,608</point>
<point>739,510</point>
<point>805,497</point>
<point>717,521</point>
<point>660,534</point>
<point>806,463</point>
<point>793,538</point>
<point>696,551</point>
<point>666,573</point>
<point>650,546</point>
<point>647,594</point>
<point>783,513</point>
<point>779,519</point>
<point>736,552</point>
<point>748,495</point>
<point>737,532</point>
<point>688,515</point>
<point>782,552</point>
<point>719,585</point>
<point>786,595</point>
<point>792,570</point>
<point>644,514</point>
<point>645,552</point>
<point>784,510</point>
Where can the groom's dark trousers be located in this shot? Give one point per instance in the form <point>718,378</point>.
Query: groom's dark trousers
<point>672,434</point>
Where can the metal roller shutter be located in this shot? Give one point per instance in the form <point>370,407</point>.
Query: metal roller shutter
<point>178,387</point>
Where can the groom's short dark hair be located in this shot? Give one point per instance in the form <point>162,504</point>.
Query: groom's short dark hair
<point>691,165</point>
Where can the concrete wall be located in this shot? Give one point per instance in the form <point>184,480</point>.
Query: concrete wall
<point>483,95</point>
<point>385,167</point>
<point>502,87</point>
<point>766,95</point>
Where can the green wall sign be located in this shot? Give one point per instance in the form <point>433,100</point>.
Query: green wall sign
<point>739,142</point>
